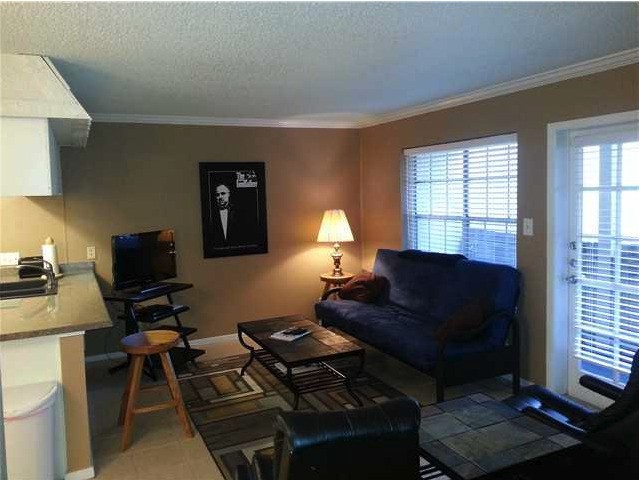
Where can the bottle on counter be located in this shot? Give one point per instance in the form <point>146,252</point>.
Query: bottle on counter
<point>50,254</point>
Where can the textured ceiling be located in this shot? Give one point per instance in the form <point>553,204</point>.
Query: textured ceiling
<point>334,61</point>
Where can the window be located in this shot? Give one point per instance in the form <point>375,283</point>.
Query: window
<point>462,198</point>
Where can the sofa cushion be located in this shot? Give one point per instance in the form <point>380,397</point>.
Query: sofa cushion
<point>444,259</point>
<point>419,283</point>
<point>435,286</point>
<point>401,334</point>
<point>387,328</point>
<point>394,331</point>
<point>498,285</point>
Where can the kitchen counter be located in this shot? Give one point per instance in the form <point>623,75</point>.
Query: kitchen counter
<point>78,306</point>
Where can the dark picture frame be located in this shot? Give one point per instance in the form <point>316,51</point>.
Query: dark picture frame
<point>234,209</point>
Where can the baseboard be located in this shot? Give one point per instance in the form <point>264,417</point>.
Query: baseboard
<point>232,337</point>
<point>85,474</point>
<point>197,342</point>
<point>105,356</point>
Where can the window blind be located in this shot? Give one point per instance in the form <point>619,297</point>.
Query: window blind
<point>462,198</point>
<point>606,176</point>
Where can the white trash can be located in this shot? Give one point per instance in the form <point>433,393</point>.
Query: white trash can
<point>29,419</point>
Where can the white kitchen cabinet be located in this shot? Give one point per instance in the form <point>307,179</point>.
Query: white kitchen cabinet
<point>29,158</point>
<point>39,114</point>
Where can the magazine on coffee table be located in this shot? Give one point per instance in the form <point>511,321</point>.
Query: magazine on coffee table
<point>290,334</point>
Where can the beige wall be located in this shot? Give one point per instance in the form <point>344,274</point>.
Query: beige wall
<point>527,113</point>
<point>133,178</point>
<point>26,221</point>
<point>140,177</point>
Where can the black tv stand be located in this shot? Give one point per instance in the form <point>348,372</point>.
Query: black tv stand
<point>135,314</point>
<point>144,289</point>
<point>151,288</point>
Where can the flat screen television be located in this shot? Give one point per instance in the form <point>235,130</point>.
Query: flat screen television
<point>142,259</point>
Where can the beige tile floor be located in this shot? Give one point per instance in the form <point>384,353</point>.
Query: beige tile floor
<point>160,450</point>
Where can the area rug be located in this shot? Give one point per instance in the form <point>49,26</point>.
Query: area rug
<point>234,414</point>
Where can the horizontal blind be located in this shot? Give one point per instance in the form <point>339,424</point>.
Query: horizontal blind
<point>606,173</point>
<point>462,198</point>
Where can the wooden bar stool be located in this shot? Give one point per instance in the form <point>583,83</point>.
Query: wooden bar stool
<point>139,345</point>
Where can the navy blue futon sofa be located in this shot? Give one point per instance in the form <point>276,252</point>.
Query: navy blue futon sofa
<point>425,289</point>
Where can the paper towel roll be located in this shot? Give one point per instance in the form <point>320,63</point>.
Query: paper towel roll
<point>50,254</point>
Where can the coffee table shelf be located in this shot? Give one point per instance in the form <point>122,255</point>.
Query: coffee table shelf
<point>304,367</point>
<point>319,377</point>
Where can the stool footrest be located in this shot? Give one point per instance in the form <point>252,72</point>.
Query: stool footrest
<point>155,408</point>
<point>153,387</point>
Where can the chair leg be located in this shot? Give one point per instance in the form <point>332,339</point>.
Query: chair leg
<point>132,388</point>
<point>516,378</point>
<point>439,376</point>
<point>174,388</point>
<point>125,396</point>
<point>439,391</point>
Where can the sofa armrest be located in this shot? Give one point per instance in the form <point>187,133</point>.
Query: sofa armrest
<point>599,386</point>
<point>330,292</point>
<point>554,422</point>
<point>616,443</point>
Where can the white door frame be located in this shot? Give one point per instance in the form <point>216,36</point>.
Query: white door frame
<point>558,176</point>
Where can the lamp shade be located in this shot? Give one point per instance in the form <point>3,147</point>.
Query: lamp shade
<point>335,227</point>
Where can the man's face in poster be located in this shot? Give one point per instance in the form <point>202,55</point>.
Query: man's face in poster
<point>222,197</point>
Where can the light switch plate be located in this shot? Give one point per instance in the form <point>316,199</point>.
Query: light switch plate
<point>527,227</point>
<point>9,258</point>
<point>91,253</point>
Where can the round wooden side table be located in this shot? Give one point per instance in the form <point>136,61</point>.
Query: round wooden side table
<point>330,280</point>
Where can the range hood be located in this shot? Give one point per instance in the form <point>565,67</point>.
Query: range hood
<point>38,114</point>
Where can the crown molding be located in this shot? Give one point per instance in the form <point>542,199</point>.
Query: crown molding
<point>220,121</point>
<point>608,62</point>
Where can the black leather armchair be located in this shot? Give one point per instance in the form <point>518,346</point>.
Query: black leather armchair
<point>370,443</point>
<point>612,431</point>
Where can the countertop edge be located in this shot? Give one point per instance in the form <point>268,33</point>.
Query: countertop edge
<point>7,337</point>
<point>94,316</point>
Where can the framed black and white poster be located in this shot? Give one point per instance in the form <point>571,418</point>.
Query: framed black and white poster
<point>234,210</point>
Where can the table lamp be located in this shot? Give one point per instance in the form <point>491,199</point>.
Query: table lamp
<point>335,229</point>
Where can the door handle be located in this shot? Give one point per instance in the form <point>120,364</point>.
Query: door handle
<point>572,279</point>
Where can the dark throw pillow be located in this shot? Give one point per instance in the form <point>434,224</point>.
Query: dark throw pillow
<point>465,323</point>
<point>365,287</point>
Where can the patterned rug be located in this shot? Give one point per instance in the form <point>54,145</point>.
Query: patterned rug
<point>234,414</point>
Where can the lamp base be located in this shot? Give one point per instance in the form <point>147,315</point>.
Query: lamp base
<point>337,256</point>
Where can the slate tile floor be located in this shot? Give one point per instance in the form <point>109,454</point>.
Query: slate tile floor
<point>476,434</point>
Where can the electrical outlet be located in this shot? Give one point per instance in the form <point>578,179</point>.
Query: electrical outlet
<point>527,227</point>
<point>9,258</point>
<point>91,253</point>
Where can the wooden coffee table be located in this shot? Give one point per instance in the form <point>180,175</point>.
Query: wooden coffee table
<point>300,365</point>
